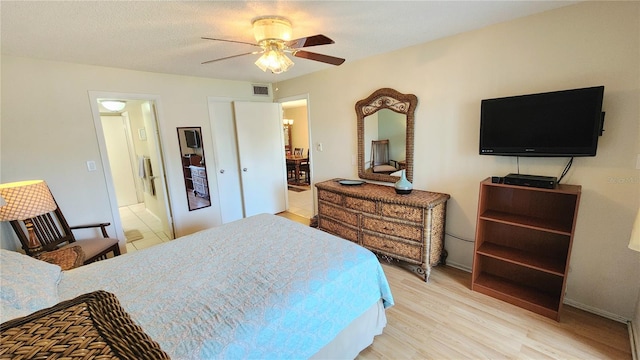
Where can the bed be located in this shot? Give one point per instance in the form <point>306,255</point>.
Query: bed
<point>261,287</point>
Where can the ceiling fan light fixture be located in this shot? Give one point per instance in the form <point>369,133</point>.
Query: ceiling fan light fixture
<point>113,105</point>
<point>275,61</point>
<point>272,27</point>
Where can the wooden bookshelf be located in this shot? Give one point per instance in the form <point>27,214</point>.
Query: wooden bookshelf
<point>523,244</point>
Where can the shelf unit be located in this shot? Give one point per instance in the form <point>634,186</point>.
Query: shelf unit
<point>186,173</point>
<point>523,244</point>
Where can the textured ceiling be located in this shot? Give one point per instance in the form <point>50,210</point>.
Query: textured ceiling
<point>164,36</point>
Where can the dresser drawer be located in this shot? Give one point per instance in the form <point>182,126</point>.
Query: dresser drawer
<point>399,249</point>
<point>407,228</point>
<point>403,212</point>
<point>389,227</point>
<point>345,216</point>
<point>198,180</point>
<point>201,189</point>
<point>342,230</point>
<point>368,206</point>
<point>330,197</point>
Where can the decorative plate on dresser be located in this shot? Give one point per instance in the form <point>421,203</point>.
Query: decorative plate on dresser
<point>351,182</point>
<point>406,228</point>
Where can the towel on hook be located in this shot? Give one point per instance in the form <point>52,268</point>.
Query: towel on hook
<point>141,169</point>
<point>149,185</point>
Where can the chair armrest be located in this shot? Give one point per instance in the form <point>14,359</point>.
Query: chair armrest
<point>102,226</point>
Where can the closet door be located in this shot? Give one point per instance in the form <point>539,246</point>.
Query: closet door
<point>262,159</point>
<point>226,160</point>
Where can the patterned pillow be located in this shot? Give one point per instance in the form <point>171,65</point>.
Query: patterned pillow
<point>26,284</point>
<point>92,325</point>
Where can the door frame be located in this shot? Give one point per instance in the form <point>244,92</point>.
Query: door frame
<point>156,110</point>
<point>311,162</point>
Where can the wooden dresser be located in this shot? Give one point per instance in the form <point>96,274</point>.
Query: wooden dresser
<point>199,178</point>
<point>408,228</point>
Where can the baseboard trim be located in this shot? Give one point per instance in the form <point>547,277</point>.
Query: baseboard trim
<point>459,266</point>
<point>634,340</point>
<point>596,311</point>
<point>575,304</point>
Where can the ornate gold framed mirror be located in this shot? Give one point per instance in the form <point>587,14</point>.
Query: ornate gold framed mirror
<point>385,135</point>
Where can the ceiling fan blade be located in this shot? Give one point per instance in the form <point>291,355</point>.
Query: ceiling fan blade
<point>231,57</point>
<point>314,40</point>
<point>232,41</point>
<point>318,57</point>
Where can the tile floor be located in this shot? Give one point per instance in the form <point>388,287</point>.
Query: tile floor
<point>301,203</point>
<point>136,217</point>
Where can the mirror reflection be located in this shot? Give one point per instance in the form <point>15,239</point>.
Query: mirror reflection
<point>194,167</point>
<point>286,128</point>
<point>385,131</point>
<point>385,135</point>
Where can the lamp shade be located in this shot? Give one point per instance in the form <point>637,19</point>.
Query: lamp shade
<point>274,60</point>
<point>25,199</point>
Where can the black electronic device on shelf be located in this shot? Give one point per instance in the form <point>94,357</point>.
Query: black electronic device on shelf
<point>545,182</point>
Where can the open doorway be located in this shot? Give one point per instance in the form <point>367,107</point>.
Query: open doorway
<point>133,164</point>
<point>299,156</point>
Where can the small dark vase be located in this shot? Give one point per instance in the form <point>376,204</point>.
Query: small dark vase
<point>403,186</point>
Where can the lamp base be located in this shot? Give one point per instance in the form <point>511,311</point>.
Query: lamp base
<point>35,248</point>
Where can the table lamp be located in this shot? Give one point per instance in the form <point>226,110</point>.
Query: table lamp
<point>24,200</point>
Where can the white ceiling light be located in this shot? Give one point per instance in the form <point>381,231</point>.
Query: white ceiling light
<point>113,105</point>
<point>271,33</point>
<point>271,28</point>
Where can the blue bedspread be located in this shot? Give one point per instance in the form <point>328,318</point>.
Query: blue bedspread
<point>262,287</point>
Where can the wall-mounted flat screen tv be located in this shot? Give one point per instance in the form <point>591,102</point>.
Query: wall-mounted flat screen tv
<point>192,138</point>
<point>559,123</point>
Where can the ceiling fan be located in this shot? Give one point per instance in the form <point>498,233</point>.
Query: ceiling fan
<point>273,36</point>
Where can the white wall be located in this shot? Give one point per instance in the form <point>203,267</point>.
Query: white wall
<point>592,43</point>
<point>48,132</point>
<point>300,128</point>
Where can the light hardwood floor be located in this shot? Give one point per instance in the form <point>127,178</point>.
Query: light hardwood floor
<point>444,319</point>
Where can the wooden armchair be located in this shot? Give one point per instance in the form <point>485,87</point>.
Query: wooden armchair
<point>53,232</point>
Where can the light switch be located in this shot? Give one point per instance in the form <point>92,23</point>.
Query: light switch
<point>91,165</point>
<point>319,146</point>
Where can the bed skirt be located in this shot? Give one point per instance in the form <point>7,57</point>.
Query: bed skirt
<point>357,336</point>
